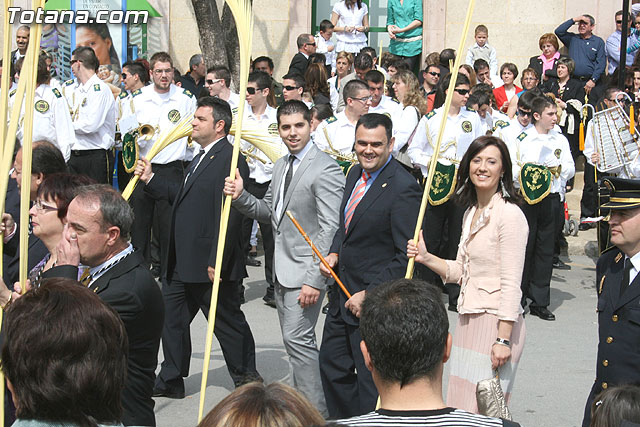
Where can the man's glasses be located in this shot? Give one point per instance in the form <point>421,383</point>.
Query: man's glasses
<point>462,92</point>
<point>618,21</point>
<point>124,76</point>
<point>434,74</point>
<point>311,44</point>
<point>253,90</point>
<point>523,113</point>
<point>212,82</point>
<point>41,207</point>
<point>364,99</point>
<point>73,61</point>
<point>290,87</point>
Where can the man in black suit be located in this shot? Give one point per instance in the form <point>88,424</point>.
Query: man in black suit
<point>379,209</point>
<point>96,237</point>
<point>300,61</point>
<point>195,224</point>
<point>618,287</point>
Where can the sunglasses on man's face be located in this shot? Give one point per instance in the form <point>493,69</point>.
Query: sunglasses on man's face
<point>124,76</point>
<point>434,74</point>
<point>290,87</point>
<point>252,90</point>
<point>618,21</point>
<point>311,44</point>
<point>524,113</point>
<point>462,92</point>
<point>211,82</point>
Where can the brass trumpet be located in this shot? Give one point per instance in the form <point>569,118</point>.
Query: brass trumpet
<point>556,170</point>
<point>145,131</point>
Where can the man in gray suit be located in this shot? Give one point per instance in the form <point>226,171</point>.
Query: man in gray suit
<point>309,184</point>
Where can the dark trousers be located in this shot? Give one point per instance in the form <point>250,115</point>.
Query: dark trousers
<point>182,302</point>
<point>96,164</point>
<point>559,229</point>
<point>442,228</point>
<point>145,208</point>
<point>588,202</point>
<point>538,266</point>
<point>259,190</point>
<point>347,394</point>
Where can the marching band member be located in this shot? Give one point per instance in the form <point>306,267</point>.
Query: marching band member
<point>94,117</point>
<point>337,134</point>
<point>542,162</point>
<point>161,105</point>
<point>461,128</point>
<point>51,120</point>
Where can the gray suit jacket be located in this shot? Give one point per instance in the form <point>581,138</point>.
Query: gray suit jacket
<point>313,198</point>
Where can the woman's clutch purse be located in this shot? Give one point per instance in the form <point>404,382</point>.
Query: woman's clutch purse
<point>491,401</point>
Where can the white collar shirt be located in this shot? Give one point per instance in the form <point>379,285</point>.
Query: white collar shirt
<point>163,112</point>
<point>296,163</point>
<point>93,114</point>
<point>260,167</point>
<point>459,133</point>
<point>51,119</point>
<point>336,132</point>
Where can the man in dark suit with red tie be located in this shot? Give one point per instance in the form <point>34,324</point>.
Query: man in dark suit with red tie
<point>618,288</point>
<point>379,209</point>
<point>195,224</point>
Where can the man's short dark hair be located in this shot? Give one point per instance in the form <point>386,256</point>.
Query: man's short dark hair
<point>363,61</point>
<point>352,88</point>
<point>480,64</point>
<point>137,69</point>
<point>293,106</point>
<point>65,353</point>
<point>479,98</point>
<point>373,120</point>
<point>426,70</point>
<point>526,99</point>
<point>461,79</point>
<point>370,51</point>
<point>405,327</point>
<point>114,210</point>
<point>297,78</point>
<point>261,79</point>
<point>325,25</point>
<point>160,57</point>
<point>221,72</point>
<point>219,108</point>
<point>374,76</point>
<point>266,59</point>
<point>87,57</point>
<point>447,55</point>
<point>539,104</point>
<point>46,159</point>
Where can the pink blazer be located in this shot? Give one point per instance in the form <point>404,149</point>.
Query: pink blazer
<point>490,260</point>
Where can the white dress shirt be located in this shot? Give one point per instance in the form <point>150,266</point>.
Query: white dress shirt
<point>51,119</point>
<point>341,132</point>
<point>163,111</point>
<point>296,163</point>
<point>93,113</point>
<point>459,133</point>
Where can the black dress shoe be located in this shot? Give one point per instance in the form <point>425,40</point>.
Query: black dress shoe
<point>584,226</point>
<point>253,262</point>
<point>542,312</point>
<point>168,392</point>
<point>560,265</point>
<point>269,300</point>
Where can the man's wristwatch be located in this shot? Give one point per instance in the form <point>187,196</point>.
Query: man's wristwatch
<point>503,342</point>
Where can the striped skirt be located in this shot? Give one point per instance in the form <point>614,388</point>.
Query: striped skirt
<point>471,358</point>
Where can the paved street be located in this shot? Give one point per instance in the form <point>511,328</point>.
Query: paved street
<point>555,374</point>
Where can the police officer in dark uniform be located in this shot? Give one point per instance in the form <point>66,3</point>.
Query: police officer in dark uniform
<point>618,287</point>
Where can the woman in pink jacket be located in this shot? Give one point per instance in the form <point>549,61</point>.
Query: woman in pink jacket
<point>490,331</point>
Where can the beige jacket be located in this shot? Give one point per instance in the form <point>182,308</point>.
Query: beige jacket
<point>490,260</point>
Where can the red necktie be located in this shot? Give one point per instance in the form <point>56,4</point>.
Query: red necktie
<point>357,195</point>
